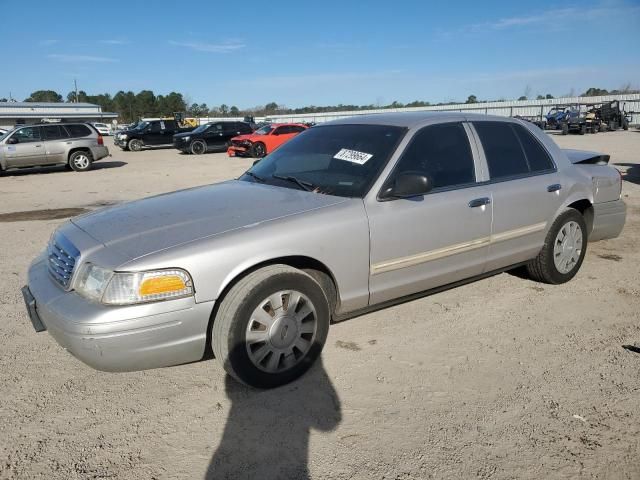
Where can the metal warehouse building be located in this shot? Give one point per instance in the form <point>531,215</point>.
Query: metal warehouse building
<point>524,108</point>
<point>24,113</point>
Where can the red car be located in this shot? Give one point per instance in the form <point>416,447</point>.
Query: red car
<point>264,140</point>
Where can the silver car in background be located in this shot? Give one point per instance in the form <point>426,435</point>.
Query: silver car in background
<point>349,216</point>
<point>76,145</point>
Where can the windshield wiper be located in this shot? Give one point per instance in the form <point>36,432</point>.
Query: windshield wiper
<point>257,177</point>
<point>301,183</point>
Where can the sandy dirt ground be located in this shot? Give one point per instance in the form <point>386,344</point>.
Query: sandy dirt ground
<point>501,378</point>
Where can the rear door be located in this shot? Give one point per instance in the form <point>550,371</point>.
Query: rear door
<point>424,242</point>
<point>28,151</point>
<point>526,191</point>
<point>55,143</point>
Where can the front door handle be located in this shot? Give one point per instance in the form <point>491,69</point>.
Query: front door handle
<point>479,202</point>
<point>554,188</point>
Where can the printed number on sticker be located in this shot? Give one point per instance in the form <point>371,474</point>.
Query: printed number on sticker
<point>353,156</point>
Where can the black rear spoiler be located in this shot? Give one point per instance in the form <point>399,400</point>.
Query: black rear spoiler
<point>585,157</point>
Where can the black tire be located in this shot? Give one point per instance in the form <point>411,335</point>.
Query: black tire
<point>80,161</point>
<point>565,129</point>
<point>198,147</point>
<point>625,124</point>
<point>543,267</point>
<point>258,150</point>
<point>135,145</point>
<point>233,317</point>
<point>583,129</point>
<point>613,125</point>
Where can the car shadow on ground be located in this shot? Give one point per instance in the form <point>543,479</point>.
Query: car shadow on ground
<point>632,174</point>
<point>59,168</point>
<point>267,431</point>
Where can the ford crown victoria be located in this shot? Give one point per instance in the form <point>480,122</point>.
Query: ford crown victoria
<point>349,216</point>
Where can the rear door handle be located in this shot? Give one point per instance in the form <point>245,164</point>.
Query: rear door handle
<point>479,202</point>
<point>554,188</point>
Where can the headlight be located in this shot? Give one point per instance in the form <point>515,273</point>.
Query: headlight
<point>122,136</point>
<point>186,139</point>
<point>124,288</point>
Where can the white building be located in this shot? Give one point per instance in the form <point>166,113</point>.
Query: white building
<point>24,113</point>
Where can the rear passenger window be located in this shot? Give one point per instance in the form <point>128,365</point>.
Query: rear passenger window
<point>54,132</point>
<point>76,131</point>
<point>538,158</point>
<point>441,153</point>
<point>297,129</point>
<point>502,149</point>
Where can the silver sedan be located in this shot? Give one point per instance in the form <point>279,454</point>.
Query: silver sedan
<point>349,216</point>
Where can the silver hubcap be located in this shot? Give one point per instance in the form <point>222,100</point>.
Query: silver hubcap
<point>568,247</point>
<point>81,161</point>
<point>281,331</point>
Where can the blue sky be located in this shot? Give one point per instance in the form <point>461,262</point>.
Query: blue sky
<point>297,53</point>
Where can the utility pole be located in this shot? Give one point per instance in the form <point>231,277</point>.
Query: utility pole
<point>75,86</point>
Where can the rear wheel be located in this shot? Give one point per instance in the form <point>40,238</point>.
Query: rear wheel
<point>80,161</point>
<point>563,251</point>
<point>583,129</point>
<point>258,150</point>
<point>271,326</point>
<point>625,124</point>
<point>198,147</point>
<point>565,129</point>
<point>135,145</point>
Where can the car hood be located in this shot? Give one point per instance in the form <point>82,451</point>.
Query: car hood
<point>248,136</point>
<point>146,226</point>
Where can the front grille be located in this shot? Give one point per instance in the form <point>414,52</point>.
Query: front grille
<point>62,259</point>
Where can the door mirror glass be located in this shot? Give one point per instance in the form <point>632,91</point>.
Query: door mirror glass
<point>408,185</point>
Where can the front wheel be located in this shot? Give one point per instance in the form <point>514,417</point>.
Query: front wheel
<point>80,161</point>
<point>135,145</point>
<point>271,326</point>
<point>563,251</point>
<point>198,147</point>
<point>258,150</point>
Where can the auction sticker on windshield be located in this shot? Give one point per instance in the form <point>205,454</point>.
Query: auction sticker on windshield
<point>353,156</point>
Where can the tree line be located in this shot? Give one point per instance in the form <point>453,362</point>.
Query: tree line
<point>132,106</point>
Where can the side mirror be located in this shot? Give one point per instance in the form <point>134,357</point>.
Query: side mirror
<point>256,162</point>
<point>408,185</point>
<point>12,141</point>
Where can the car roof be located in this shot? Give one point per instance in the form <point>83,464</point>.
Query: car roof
<point>410,119</point>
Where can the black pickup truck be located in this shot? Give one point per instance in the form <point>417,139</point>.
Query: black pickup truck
<point>153,133</point>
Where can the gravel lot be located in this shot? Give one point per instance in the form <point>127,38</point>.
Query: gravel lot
<point>502,378</point>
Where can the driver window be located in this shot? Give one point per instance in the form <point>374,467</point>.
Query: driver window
<point>27,135</point>
<point>441,153</point>
<point>280,131</point>
<point>155,127</point>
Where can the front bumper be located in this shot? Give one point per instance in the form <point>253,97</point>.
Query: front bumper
<point>238,151</point>
<point>117,338</point>
<point>608,220</point>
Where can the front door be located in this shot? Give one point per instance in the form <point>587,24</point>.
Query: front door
<point>29,149</point>
<point>215,137</point>
<point>439,238</point>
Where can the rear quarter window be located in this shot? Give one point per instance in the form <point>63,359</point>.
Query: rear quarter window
<point>538,158</point>
<point>77,131</point>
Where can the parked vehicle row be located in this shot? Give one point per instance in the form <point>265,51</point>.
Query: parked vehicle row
<point>76,145</point>
<point>421,201</point>
<point>235,137</point>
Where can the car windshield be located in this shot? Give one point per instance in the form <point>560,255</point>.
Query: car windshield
<point>264,130</point>
<point>3,135</point>
<point>342,160</point>
<point>202,128</point>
